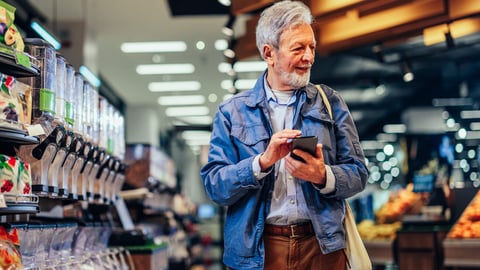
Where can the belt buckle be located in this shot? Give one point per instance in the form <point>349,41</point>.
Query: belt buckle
<point>292,231</point>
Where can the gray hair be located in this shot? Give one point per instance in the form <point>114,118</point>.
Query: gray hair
<point>277,18</point>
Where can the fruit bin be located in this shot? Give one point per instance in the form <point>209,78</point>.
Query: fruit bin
<point>463,240</point>
<point>380,251</point>
<point>461,252</point>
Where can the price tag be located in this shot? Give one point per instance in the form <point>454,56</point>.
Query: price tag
<point>35,130</point>
<point>23,60</point>
<point>3,204</point>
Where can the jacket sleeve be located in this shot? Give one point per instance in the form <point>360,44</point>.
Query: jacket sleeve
<point>351,173</point>
<point>226,178</point>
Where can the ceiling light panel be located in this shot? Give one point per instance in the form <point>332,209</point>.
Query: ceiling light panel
<point>181,100</point>
<point>250,66</point>
<point>174,86</point>
<point>165,69</point>
<point>149,47</point>
<point>197,120</point>
<point>187,111</point>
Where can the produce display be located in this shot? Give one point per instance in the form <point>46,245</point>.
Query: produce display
<point>368,230</point>
<point>468,225</point>
<point>402,202</point>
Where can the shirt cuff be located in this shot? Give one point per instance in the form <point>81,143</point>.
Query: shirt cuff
<point>257,171</point>
<point>329,182</point>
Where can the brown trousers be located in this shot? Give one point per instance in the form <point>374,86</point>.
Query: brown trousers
<point>285,253</point>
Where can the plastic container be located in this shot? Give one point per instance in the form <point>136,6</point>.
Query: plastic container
<point>61,76</point>
<point>70,101</point>
<point>43,86</point>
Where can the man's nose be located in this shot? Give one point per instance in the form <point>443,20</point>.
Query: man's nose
<point>309,55</point>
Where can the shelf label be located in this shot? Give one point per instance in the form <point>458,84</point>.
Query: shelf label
<point>3,204</point>
<point>35,130</point>
<point>22,59</point>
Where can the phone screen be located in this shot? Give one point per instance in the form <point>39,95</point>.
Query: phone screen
<point>306,143</point>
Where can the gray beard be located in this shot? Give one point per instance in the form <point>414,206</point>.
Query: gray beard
<point>294,80</point>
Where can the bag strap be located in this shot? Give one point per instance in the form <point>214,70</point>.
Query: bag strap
<point>325,101</point>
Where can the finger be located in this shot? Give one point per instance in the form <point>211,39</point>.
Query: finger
<point>319,152</point>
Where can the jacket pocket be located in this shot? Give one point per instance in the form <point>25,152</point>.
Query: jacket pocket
<point>250,135</point>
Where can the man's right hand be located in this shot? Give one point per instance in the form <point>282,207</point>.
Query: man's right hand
<point>279,147</point>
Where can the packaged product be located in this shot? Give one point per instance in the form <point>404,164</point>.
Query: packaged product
<point>15,102</point>
<point>9,34</point>
<point>10,257</point>
<point>24,179</point>
<point>8,174</point>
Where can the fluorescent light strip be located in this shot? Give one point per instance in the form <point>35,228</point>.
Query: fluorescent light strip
<point>239,84</point>
<point>165,69</point>
<point>89,76</point>
<point>181,100</point>
<point>475,126</point>
<point>472,114</point>
<point>196,135</point>
<point>250,66</point>
<point>187,111</point>
<point>149,47</point>
<point>42,32</point>
<point>395,128</point>
<point>197,120</point>
<point>174,86</point>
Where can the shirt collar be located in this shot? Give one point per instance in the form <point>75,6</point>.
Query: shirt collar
<point>269,94</point>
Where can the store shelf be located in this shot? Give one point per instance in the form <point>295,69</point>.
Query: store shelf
<point>17,64</point>
<point>461,252</point>
<point>20,204</point>
<point>16,136</point>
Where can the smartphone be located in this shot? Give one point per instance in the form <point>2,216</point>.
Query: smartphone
<point>305,143</point>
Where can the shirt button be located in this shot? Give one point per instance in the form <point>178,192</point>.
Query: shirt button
<point>292,201</point>
<point>290,177</point>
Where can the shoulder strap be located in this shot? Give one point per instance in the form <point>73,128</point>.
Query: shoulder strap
<point>325,101</point>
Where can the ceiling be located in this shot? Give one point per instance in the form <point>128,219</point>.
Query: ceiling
<point>356,72</point>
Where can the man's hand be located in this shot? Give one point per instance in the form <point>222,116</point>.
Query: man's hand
<point>279,147</point>
<point>312,170</point>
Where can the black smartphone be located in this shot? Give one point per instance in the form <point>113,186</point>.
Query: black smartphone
<point>305,143</point>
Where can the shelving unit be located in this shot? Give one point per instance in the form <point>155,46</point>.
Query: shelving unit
<point>17,64</point>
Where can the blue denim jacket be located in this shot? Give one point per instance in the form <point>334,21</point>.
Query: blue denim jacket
<point>242,130</point>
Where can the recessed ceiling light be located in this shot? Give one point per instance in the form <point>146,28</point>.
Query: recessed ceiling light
<point>181,100</point>
<point>187,111</point>
<point>147,47</point>
<point>165,69</point>
<point>225,2</point>
<point>221,44</point>
<point>174,86</point>
<point>200,45</point>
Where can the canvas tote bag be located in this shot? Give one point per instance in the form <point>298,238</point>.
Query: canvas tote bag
<point>357,256</point>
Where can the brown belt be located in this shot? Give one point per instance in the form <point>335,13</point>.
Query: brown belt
<point>294,230</point>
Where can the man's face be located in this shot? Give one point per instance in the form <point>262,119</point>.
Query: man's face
<point>289,66</point>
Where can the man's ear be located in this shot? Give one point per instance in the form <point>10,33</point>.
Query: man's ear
<point>268,52</point>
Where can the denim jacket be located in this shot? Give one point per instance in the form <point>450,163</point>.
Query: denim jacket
<point>242,130</point>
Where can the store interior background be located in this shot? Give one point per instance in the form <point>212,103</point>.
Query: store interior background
<point>443,97</point>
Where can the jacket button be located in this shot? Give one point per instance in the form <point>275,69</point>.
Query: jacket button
<point>292,201</point>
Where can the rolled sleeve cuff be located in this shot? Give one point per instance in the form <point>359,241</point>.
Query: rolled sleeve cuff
<point>329,182</point>
<point>257,171</point>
